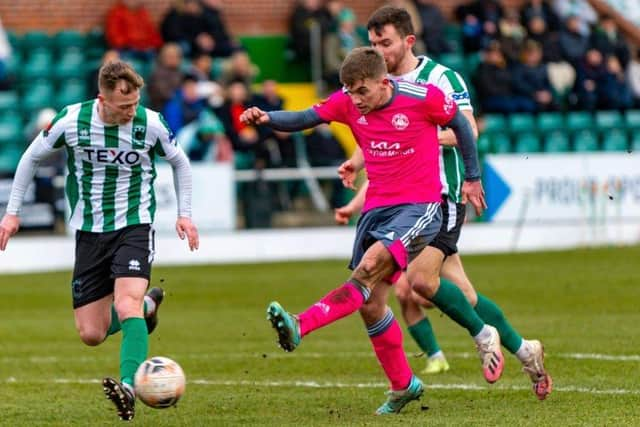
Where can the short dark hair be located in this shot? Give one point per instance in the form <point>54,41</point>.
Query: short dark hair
<point>114,71</point>
<point>360,64</point>
<point>390,15</point>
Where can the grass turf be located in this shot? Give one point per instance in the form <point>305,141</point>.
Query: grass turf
<point>580,303</point>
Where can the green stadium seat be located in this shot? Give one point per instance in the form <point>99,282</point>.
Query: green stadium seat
<point>527,142</point>
<point>500,143</point>
<point>453,35</point>
<point>9,159</point>
<point>472,61</point>
<point>95,44</point>
<point>8,101</point>
<point>70,92</point>
<point>548,122</point>
<point>484,143</point>
<point>10,134</point>
<point>494,123</point>
<point>35,40</point>
<point>635,142</point>
<point>14,41</point>
<point>70,65</point>
<point>577,120</point>
<point>614,140</point>
<point>556,142</point>
<point>455,61</point>
<point>632,119</point>
<point>69,39</point>
<point>585,140</point>
<point>14,64</point>
<point>37,96</point>
<point>521,122</point>
<point>609,119</point>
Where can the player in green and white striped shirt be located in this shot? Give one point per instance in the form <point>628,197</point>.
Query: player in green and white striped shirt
<point>111,144</point>
<point>391,32</point>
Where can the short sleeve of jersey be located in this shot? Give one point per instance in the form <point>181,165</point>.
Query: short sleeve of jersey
<point>334,108</point>
<point>440,109</point>
<point>453,85</point>
<point>166,145</point>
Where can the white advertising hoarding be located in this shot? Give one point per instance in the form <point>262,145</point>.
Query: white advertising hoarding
<point>563,187</point>
<point>213,202</point>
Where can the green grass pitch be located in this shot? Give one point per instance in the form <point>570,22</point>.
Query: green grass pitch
<point>583,305</point>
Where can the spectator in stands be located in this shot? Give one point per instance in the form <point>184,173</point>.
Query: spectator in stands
<point>204,140</point>
<point>224,45</point>
<point>5,56</point>
<point>573,43</point>
<point>433,23</point>
<point>562,75</point>
<point>479,21</point>
<point>166,76</point>
<point>580,9</point>
<point>540,9</point>
<point>130,29</point>
<point>590,80</point>
<point>268,99</point>
<point>608,40</point>
<point>615,93</point>
<point>92,77</point>
<point>185,106</point>
<point>633,78</point>
<point>338,44</point>
<point>530,78</point>
<point>495,86</point>
<point>244,138</point>
<point>186,25</point>
<point>512,35</point>
<point>306,14</point>
<point>238,67</point>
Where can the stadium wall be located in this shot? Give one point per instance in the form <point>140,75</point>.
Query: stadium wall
<point>268,16</point>
<point>321,243</point>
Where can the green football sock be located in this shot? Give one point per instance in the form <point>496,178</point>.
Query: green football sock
<point>134,347</point>
<point>452,302</point>
<point>115,322</point>
<point>422,334</point>
<point>492,315</point>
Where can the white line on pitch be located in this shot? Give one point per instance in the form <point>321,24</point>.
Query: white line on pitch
<point>315,384</point>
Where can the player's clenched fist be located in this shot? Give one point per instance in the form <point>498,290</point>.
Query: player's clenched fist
<point>254,116</point>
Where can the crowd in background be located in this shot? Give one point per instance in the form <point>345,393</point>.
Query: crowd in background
<point>545,56</point>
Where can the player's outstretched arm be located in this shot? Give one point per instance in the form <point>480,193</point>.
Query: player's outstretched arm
<point>285,121</point>
<point>348,170</point>
<point>472,191</point>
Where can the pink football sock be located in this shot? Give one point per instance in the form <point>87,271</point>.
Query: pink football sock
<point>337,304</point>
<point>386,338</point>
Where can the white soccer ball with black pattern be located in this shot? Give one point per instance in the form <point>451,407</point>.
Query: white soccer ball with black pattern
<point>159,382</point>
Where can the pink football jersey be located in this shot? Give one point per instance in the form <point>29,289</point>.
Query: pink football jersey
<point>399,142</point>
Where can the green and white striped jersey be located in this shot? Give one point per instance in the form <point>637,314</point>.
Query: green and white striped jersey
<point>449,81</point>
<point>111,168</point>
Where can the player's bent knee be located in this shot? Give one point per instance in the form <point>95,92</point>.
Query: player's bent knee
<point>92,336</point>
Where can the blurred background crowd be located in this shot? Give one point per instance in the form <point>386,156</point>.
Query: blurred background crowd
<point>557,75</point>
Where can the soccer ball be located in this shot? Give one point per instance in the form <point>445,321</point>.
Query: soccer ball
<point>159,382</point>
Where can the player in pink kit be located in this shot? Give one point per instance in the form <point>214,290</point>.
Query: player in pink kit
<point>395,124</point>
